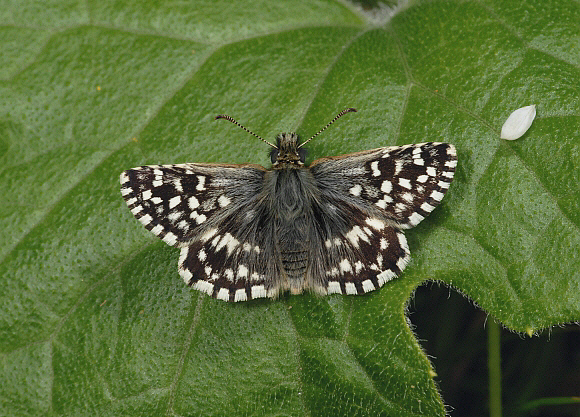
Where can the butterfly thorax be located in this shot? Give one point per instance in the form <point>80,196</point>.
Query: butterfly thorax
<point>287,153</point>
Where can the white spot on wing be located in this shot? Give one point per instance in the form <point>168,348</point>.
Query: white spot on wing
<point>193,202</point>
<point>201,183</point>
<point>415,219</point>
<point>400,207</point>
<point>402,241</point>
<point>174,201</point>
<point>242,271</point>
<point>334,287</point>
<point>375,223</point>
<point>223,294</point>
<point>183,254</point>
<point>186,275</point>
<point>258,291</point>
<point>355,234</point>
<point>170,239</point>
<point>183,225</point>
<point>385,276</point>
<point>240,295</point>
<point>157,229</point>
<point>375,168</point>
<point>345,266</point>
<point>223,201</point>
<point>208,235</point>
<point>229,274</point>
<point>398,166</point>
<point>350,288</point>
<point>405,183</point>
<point>427,207</point>
<point>436,195</point>
<point>386,187</point>
<point>356,190</point>
<point>368,285</point>
<point>203,286</point>
<point>229,241</point>
<point>174,216</point>
<point>402,262</point>
<point>146,219</point>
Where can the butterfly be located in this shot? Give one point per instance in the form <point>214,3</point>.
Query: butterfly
<point>335,226</point>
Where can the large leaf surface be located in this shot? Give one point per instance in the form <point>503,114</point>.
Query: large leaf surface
<point>94,317</point>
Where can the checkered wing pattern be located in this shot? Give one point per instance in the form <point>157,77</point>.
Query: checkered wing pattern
<point>375,195</point>
<point>216,215</point>
<point>337,227</point>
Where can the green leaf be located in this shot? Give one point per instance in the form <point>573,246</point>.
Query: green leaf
<point>95,319</point>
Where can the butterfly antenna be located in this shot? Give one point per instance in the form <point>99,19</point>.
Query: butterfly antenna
<point>338,116</point>
<point>225,116</point>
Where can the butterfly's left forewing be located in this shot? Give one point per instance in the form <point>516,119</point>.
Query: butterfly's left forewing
<point>365,200</point>
<point>179,202</point>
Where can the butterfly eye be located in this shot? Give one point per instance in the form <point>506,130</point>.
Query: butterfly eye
<point>274,155</point>
<point>302,153</point>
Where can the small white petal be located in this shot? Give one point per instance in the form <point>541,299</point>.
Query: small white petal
<point>518,122</point>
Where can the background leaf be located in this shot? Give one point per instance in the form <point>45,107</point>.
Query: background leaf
<point>94,317</point>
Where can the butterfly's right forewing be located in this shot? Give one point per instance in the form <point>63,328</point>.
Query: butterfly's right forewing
<point>404,183</point>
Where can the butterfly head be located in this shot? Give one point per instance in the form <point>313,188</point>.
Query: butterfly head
<point>287,153</point>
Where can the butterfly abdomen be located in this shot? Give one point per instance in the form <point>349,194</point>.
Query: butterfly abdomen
<point>293,205</point>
